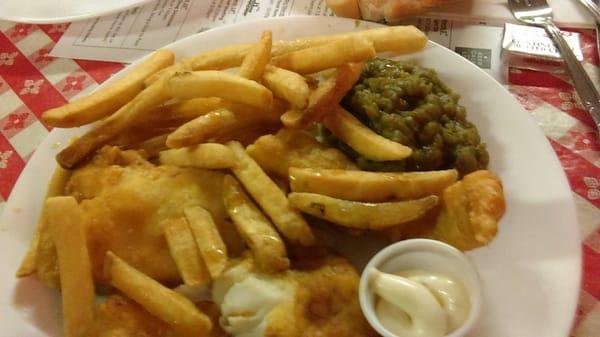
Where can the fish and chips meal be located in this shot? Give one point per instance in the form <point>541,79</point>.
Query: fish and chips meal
<point>190,206</point>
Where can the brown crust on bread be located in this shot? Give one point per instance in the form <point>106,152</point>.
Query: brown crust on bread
<point>392,11</point>
<point>396,9</point>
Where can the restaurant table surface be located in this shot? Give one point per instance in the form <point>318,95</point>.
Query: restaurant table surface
<point>31,81</point>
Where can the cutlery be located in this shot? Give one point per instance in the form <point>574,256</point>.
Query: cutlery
<point>597,28</point>
<point>539,13</point>
<point>594,10</point>
<point>592,7</point>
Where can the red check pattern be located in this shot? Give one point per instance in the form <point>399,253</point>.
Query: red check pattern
<point>31,82</point>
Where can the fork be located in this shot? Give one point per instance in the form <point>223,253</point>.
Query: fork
<point>594,10</point>
<point>539,13</point>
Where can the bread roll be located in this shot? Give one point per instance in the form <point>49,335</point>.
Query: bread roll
<point>345,8</point>
<point>389,11</point>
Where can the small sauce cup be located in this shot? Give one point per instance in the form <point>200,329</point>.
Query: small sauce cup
<point>427,255</point>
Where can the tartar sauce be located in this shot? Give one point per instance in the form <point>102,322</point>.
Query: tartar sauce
<point>417,303</point>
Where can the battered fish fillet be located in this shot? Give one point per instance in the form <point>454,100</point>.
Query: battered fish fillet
<point>319,299</point>
<point>295,148</point>
<point>126,201</point>
<point>468,216</point>
<point>119,316</point>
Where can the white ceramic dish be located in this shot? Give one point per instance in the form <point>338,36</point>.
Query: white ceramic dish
<point>430,256</point>
<point>52,11</point>
<point>530,272</point>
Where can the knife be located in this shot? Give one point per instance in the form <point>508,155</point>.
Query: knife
<point>598,38</point>
<point>597,29</point>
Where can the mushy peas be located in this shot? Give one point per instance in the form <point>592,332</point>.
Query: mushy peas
<point>410,105</point>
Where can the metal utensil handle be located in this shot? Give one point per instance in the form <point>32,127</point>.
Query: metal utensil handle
<point>583,84</point>
<point>592,7</point>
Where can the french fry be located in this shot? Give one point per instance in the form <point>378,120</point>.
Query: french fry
<point>362,139</point>
<point>287,85</point>
<point>208,240</point>
<point>219,59</point>
<point>397,39</point>
<point>184,111</point>
<point>249,135</point>
<point>152,146</point>
<point>323,100</point>
<point>362,215</point>
<point>330,55</point>
<point>109,99</point>
<point>232,238</point>
<point>213,125</point>
<point>291,118</point>
<point>295,148</point>
<point>46,263</point>
<point>206,156</point>
<point>370,186</point>
<point>167,72</point>
<point>184,252</point>
<point>294,118</point>
<point>213,83</point>
<point>176,114</point>
<point>137,135</point>
<point>56,187</point>
<point>257,58</point>
<point>114,125</point>
<point>162,302</point>
<point>258,232</point>
<point>270,198</point>
<point>67,229</point>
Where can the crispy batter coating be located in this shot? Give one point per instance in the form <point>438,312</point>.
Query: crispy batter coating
<point>321,299</point>
<point>121,317</point>
<point>126,202</point>
<point>295,148</point>
<point>468,216</point>
<point>326,302</point>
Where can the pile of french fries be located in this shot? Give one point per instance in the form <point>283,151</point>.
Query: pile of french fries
<point>199,112</point>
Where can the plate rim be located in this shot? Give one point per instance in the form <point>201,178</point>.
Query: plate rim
<point>5,15</point>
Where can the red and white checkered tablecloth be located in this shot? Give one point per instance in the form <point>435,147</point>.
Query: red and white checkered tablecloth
<point>31,82</point>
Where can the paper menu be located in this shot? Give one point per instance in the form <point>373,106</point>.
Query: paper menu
<point>130,34</point>
<point>478,42</point>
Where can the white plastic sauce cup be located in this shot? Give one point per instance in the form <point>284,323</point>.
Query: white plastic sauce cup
<point>427,255</point>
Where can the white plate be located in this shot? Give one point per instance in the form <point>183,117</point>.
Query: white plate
<point>530,272</point>
<point>56,11</point>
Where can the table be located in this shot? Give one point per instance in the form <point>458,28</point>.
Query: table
<point>31,82</point>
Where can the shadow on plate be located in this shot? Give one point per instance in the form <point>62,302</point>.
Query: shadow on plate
<point>39,304</point>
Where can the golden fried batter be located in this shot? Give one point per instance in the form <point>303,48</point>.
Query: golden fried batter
<point>319,298</point>
<point>121,317</point>
<point>468,216</point>
<point>326,302</point>
<point>126,200</point>
<point>295,148</point>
